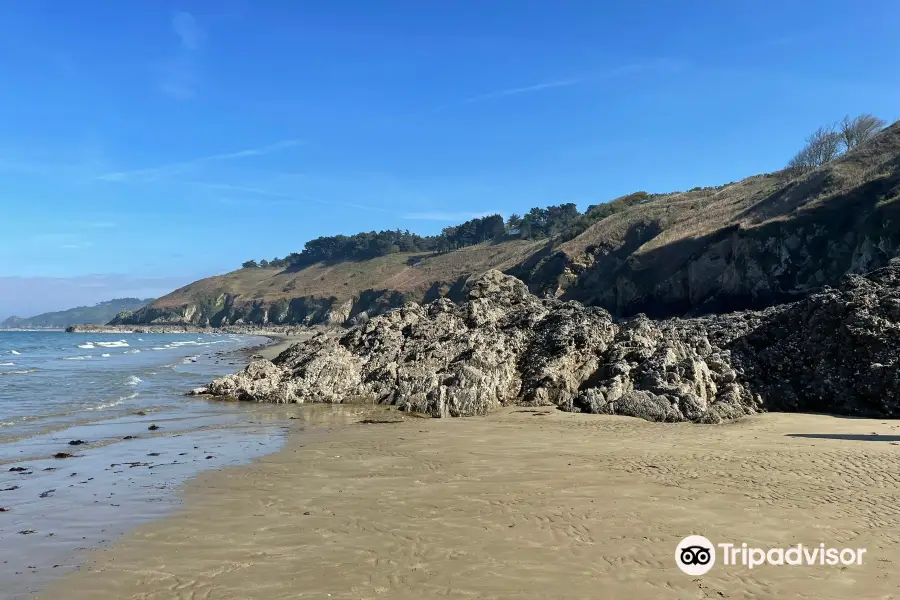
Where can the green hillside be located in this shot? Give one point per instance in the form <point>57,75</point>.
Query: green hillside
<point>99,313</point>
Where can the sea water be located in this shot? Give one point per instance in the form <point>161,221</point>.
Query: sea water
<point>96,397</point>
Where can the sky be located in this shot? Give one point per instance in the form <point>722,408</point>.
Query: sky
<point>147,144</point>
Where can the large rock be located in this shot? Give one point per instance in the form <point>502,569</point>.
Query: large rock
<point>836,351</point>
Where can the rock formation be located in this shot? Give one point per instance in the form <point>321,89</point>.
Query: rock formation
<point>835,351</point>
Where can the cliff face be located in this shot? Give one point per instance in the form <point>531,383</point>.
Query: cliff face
<point>341,293</point>
<point>836,351</point>
<point>767,239</point>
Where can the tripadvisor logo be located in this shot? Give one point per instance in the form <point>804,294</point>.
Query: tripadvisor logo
<point>696,555</point>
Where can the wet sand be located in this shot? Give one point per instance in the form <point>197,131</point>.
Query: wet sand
<point>115,454</point>
<point>520,504</point>
<point>280,343</point>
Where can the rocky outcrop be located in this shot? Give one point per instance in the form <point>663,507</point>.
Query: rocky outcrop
<point>835,351</point>
<point>227,310</point>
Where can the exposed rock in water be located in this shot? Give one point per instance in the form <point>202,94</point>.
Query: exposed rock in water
<point>835,351</point>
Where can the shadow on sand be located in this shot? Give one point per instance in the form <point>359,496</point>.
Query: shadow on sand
<point>857,437</point>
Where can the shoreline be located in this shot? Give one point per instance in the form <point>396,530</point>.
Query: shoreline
<point>261,330</point>
<point>527,503</point>
<point>131,455</point>
<point>278,343</point>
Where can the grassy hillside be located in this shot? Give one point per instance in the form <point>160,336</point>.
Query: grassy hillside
<point>331,292</point>
<point>97,314</point>
<point>765,239</point>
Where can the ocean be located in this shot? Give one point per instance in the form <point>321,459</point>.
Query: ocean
<point>116,403</point>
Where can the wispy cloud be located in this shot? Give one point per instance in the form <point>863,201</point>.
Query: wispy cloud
<point>457,217</point>
<point>523,90</point>
<point>185,27</point>
<point>151,174</point>
<point>178,75</point>
<point>560,83</point>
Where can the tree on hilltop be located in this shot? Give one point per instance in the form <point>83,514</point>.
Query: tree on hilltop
<point>822,146</point>
<point>859,130</point>
<point>827,143</point>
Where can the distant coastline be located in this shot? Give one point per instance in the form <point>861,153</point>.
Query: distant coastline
<point>274,330</point>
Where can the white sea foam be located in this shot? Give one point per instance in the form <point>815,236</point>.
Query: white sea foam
<point>185,343</point>
<point>132,351</point>
<point>105,355</point>
<point>118,344</point>
<point>78,357</point>
<point>115,403</point>
<point>132,380</point>
<point>7,364</point>
<point>88,346</point>
<point>14,352</point>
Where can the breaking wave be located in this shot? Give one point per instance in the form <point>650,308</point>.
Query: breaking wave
<point>88,346</point>
<point>118,344</point>
<point>111,404</point>
<point>132,380</point>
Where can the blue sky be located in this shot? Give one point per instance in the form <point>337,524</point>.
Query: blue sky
<point>146,144</point>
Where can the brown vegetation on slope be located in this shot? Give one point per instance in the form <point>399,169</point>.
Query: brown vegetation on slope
<point>762,240</point>
<point>333,292</point>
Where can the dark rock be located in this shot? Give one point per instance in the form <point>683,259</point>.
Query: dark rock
<point>47,494</point>
<point>27,532</point>
<point>153,427</point>
<point>77,442</point>
<point>129,437</point>
<point>62,455</point>
<point>836,351</point>
<point>18,469</point>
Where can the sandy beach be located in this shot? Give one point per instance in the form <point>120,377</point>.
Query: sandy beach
<point>281,342</point>
<point>524,503</point>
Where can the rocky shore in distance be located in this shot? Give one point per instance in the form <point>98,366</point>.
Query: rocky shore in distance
<point>274,330</point>
<point>837,351</point>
